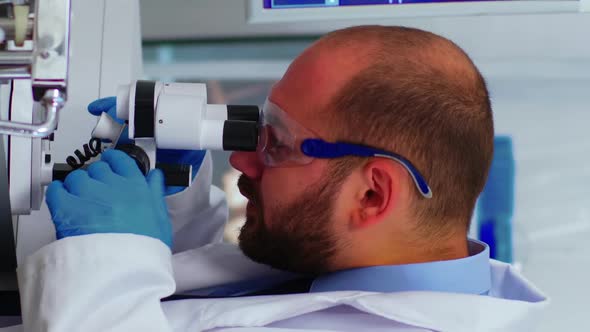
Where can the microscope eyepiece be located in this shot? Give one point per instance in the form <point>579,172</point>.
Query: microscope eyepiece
<point>240,135</point>
<point>243,113</point>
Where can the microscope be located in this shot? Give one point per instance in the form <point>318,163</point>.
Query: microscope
<point>174,116</point>
<point>34,62</point>
<point>56,56</point>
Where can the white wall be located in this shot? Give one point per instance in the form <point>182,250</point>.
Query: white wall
<point>548,120</point>
<point>542,45</point>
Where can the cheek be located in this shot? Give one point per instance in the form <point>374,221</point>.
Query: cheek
<point>344,203</point>
<point>343,206</point>
<point>282,185</point>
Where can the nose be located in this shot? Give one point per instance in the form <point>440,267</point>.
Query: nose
<point>247,163</point>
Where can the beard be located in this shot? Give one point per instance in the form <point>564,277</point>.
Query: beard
<point>300,238</point>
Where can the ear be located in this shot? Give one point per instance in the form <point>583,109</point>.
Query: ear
<point>378,194</point>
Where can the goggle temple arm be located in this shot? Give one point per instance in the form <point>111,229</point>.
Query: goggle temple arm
<point>318,148</point>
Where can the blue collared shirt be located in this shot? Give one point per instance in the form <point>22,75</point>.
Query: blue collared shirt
<point>469,275</point>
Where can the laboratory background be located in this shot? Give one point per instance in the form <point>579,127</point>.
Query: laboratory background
<point>534,55</point>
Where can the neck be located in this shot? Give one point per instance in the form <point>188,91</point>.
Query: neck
<point>403,251</point>
<point>453,248</point>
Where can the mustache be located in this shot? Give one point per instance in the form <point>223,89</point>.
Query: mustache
<point>246,186</point>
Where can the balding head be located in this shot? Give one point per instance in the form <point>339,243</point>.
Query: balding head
<point>407,54</point>
<point>314,78</point>
<point>419,95</point>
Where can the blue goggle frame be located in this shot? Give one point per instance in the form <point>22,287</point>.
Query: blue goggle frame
<point>318,148</point>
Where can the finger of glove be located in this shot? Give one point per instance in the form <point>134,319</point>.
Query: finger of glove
<point>102,105</point>
<point>102,172</point>
<point>62,205</point>
<point>155,179</point>
<point>57,196</point>
<point>78,183</point>
<point>122,164</point>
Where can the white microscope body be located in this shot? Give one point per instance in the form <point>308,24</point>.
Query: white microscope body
<point>166,116</point>
<point>178,117</point>
<point>175,116</point>
<point>52,51</point>
<point>81,51</point>
<point>34,66</point>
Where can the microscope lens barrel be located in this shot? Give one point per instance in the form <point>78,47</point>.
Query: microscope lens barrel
<point>243,113</point>
<point>123,95</point>
<point>240,135</point>
<point>212,135</point>
<point>215,112</point>
<point>232,112</point>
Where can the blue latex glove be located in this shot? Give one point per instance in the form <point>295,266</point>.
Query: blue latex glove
<point>190,157</point>
<point>111,196</point>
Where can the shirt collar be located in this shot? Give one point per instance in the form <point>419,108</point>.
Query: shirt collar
<point>469,275</point>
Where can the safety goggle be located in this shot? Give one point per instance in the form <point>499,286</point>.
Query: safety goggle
<point>283,142</point>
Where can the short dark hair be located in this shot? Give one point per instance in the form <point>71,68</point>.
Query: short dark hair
<point>422,97</point>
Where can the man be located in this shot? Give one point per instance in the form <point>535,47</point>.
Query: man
<point>375,145</point>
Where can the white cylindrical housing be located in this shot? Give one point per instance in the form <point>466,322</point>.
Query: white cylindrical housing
<point>123,103</point>
<point>216,112</point>
<point>178,121</point>
<point>186,89</point>
<point>144,97</point>
<point>212,134</point>
<point>107,128</point>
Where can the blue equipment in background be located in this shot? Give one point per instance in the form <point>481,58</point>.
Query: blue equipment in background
<point>496,202</point>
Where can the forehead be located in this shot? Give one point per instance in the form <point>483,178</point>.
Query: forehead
<point>310,83</point>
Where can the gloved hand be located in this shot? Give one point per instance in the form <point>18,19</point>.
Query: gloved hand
<point>111,196</point>
<point>190,157</point>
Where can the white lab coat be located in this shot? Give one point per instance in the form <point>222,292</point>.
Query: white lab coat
<point>114,282</point>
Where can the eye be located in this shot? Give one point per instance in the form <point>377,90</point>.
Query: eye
<point>276,144</point>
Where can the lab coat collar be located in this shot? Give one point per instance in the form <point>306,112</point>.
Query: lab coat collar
<point>429,310</point>
<point>513,304</point>
<point>470,275</point>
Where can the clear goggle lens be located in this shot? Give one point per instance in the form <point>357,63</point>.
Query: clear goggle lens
<point>280,138</point>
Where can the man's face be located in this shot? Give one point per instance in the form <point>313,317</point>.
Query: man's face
<point>292,212</point>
